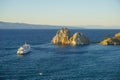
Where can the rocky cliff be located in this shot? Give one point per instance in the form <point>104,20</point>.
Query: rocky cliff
<point>112,41</point>
<point>63,37</point>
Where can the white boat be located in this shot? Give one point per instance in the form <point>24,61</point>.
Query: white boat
<point>24,49</point>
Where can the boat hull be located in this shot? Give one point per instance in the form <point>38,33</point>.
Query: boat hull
<point>23,52</point>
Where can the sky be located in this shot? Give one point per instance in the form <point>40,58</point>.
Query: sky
<point>62,12</point>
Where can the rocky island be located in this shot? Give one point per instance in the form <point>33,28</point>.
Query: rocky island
<point>112,41</point>
<point>63,37</point>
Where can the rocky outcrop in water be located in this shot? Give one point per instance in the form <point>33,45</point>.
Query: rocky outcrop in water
<point>79,39</point>
<point>112,41</point>
<point>63,37</point>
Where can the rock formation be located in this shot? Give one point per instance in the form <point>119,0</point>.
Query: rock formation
<point>117,36</point>
<point>79,39</point>
<point>112,41</point>
<point>63,37</point>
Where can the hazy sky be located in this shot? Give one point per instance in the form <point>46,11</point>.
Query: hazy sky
<point>61,12</point>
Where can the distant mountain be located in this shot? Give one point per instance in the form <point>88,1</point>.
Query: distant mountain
<point>9,25</point>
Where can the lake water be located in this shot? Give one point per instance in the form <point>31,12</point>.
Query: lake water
<point>50,62</point>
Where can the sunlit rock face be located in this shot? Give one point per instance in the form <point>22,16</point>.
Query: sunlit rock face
<point>63,37</point>
<point>79,39</point>
<point>117,36</point>
<point>112,41</point>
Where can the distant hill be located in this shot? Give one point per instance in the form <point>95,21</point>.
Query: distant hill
<point>9,25</point>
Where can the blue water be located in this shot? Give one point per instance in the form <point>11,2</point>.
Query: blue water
<point>50,62</point>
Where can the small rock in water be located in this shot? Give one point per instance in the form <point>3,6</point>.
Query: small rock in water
<point>112,41</point>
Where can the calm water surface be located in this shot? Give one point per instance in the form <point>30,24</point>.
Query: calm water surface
<point>50,62</point>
